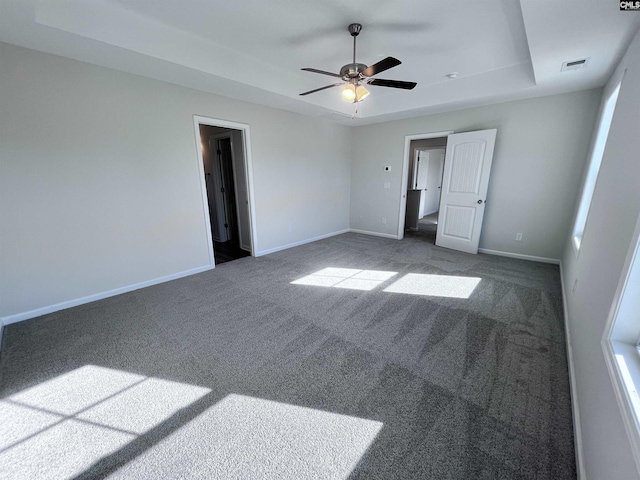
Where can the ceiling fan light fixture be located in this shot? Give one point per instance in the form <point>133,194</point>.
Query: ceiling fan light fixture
<point>354,75</point>
<point>349,93</point>
<point>361,93</point>
<point>354,93</point>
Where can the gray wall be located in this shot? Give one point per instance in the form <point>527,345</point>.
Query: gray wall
<point>606,240</point>
<point>100,187</point>
<point>541,147</point>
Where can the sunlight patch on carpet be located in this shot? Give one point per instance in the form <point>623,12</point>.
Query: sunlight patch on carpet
<point>61,427</point>
<point>410,284</point>
<point>434,285</point>
<point>350,278</point>
<point>248,437</point>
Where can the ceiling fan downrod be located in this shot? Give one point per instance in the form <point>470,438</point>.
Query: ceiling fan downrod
<point>354,30</point>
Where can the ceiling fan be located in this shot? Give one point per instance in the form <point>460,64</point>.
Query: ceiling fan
<point>356,75</point>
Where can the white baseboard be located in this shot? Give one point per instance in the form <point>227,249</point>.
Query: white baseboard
<point>577,430</point>
<point>521,256</point>
<point>301,242</point>
<point>18,317</point>
<point>375,234</point>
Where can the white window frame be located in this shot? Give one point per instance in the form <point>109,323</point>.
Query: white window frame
<point>620,344</point>
<point>597,151</point>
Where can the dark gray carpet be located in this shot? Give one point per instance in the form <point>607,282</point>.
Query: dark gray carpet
<point>426,230</point>
<point>238,373</point>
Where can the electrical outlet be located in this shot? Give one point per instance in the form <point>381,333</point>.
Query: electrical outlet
<point>360,218</point>
<point>387,184</point>
<point>519,237</point>
<point>384,221</point>
<point>575,285</point>
<point>290,228</point>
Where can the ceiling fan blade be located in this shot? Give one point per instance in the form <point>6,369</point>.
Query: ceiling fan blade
<point>381,66</point>
<point>322,72</point>
<point>392,83</point>
<point>322,88</point>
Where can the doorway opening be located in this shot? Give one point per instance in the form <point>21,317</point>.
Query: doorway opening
<point>226,184</point>
<point>464,184</point>
<point>439,139</point>
<point>426,168</point>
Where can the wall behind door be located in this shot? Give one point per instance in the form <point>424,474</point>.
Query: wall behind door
<point>417,145</point>
<point>434,181</point>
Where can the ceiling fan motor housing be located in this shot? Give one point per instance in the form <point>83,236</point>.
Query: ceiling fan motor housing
<point>352,70</point>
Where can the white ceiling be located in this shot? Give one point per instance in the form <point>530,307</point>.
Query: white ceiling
<point>254,49</point>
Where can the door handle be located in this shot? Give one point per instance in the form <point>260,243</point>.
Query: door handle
<point>479,202</point>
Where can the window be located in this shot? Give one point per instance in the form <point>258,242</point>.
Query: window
<point>620,344</point>
<point>594,166</point>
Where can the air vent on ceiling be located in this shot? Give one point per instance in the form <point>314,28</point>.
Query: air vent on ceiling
<point>575,64</point>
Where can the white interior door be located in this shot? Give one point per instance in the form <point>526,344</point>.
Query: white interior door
<point>242,193</point>
<point>467,167</point>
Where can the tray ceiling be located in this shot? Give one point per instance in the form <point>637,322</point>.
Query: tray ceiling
<point>253,50</point>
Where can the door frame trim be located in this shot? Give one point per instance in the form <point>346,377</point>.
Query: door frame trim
<point>405,173</point>
<point>248,165</point>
